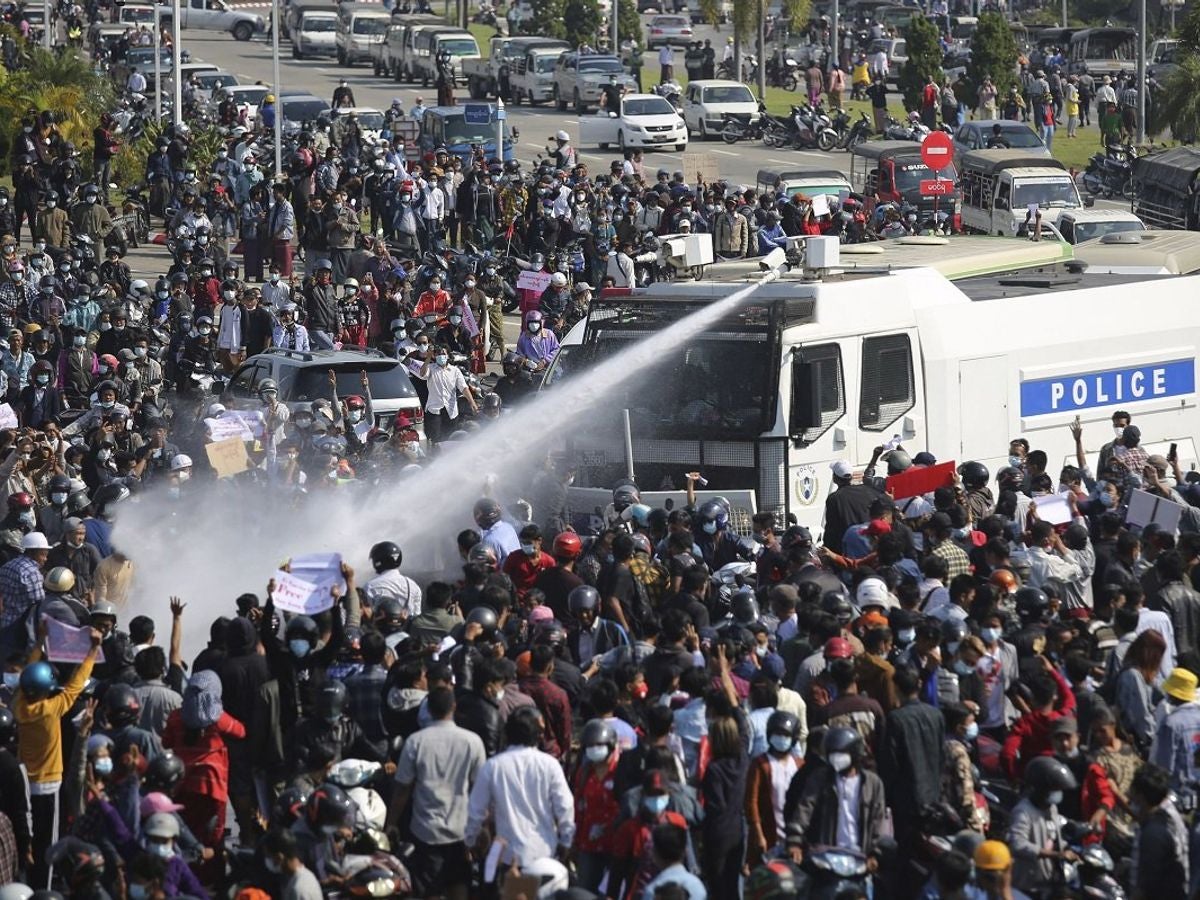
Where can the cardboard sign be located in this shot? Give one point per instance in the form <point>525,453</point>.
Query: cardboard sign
<point>920,481</point>
<point>1054,509</point>
<point>520,887</point>
<point>306,588</point>
<point>228,457</point>
<point>8,418</point>
<point>252,419</point>
<point>700,167</point>
<point>820,205</point>
<point>533,281</point>
<point>65,644</point>
<point>1145,508</point>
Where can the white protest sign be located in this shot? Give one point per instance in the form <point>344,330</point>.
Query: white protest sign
<point>820,205</point>
<point>252,419</point>
<point>65,644</point>
<point>533,281</point>
<point>8,418</point>
<point>1146,508</point>
<point>227,427</point>
<point>306,588</point>
<point>1054,509</point>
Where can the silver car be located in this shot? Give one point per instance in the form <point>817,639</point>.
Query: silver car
<point>673,30</point>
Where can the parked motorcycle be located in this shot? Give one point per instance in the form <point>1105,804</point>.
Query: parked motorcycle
<point>1111,172</point>
<point>850,135</point>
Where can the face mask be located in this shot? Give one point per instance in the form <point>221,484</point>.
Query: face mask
<point>780,743</point>
<point>710,527</point>
<point>1015,462</point>
<point>103,765</point>
<point>272,865</point>
<point>597,753</point>
<point>761,651</point>
<point>499,698</point>
<point>90,199</point>
<point>470,283</point>
<point>528,549</point>
<point>162,851</point>
<point>962,668</point>
<point>1106,499</point>
<point>298,647</point>
<point>51,203</point>
<point>204,329</point>
<point>990,635</point>
<point>1054,798</point>
<point>355,417</point>
<point>65,268</point>
<point>906,635</point>
<point>222,154</point>
<point>42,380</point>
<point>40,247</point>
<point>840,761</point>
<point>229,296</point>
<point>28,519</point>
<point>455,320</point>
<point>12,680</point>
<point>442,359</point>
<point>105,326</point>
<point>972,731</point>
<point>656,805</point>
<point>304,424</point>
<point>1118,432</point>
<point>103,370</point>
<point>274,278</point>
<point>107,404</point>
<point>58,498</point>
<point>535,327</point>
<point>490,270</point>
<point>435,286</point>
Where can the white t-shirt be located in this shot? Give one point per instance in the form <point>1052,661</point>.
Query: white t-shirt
<point>445,384</point>
<point>782,770</point>
<point>848,790</point>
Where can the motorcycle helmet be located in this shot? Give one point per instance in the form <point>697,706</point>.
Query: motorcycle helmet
<point>567,545</point>
<point>289,806</point>
<point>122,705</point>
<point>20,501</point>
<point>837,604</point>
<point>487,512</point>
<point>389,615</point>
<point>842,740</point>
<point>328,809</point>
<point>1032,604</point>
<point>163,773</point>
<point>954,632</point>
<point>778,879</point>
<point>974,474</point>
<point>386,555</point>
<point>37,680</point>
<point>598,732</point>
<point>268,386</point>
<point>16,891</point>
<point>582,598</point>
<point>1046,774</point>
<point>76,861</point>
<point>744,608</point>
<point>60,580</point>
<point>898,461</point>
<point>330,701</point>
<point>784,725</point>
<point>301,635</point>
<point>486,617</point>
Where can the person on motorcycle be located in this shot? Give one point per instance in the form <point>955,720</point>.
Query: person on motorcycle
<point>114,272</point>
<point>556,297</point>
<point>536,346</point>
<point>516,382</point>
<point>433,305</point>
<point>563,153</point>
<point>289,334</point>
<point>1033,833</point>
<point>104,406</point>
<point>454,335</point>
<point>817,819</point>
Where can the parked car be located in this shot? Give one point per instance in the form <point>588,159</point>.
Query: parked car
<point>315,34</point>
<point>303,377</point>
<point>897,55</point>
<point>673,30</point>
<point>578,79</point>
<point>705,103</point>
<point>215,15</point>
<point>646,120</point>
<point>975,135</point>
<point>301,111</point>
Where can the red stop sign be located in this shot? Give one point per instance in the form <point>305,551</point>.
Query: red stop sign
<point>937,150</point>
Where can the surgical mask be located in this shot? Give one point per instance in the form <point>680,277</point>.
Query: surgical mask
<point>490,270</point>
<point>184,475</point>
<point>304,423</point>
<point>58,498</point>
<point>27,518</point>
<point>298,647</point>
<point>597,753</point>
<point>780,743</point>
<point>470,283</point>
<point>229,296</point>
<point>435,286</point>
<point>90,198</point>
<point>499,698</point>
<point>12,680</point>
<point>656,805</point>
<point>535,327</point>
<point>162,295</point>
<point>1073,753</point>
<point>1106,499</point>
<point>710,527</point>
<point>528,549</point>
<point>51,203</point>
<point>906,635</point>
<point>274,278</point>
<point>455,320</point>
<point>17,276</point>
<point>442,359</point>
<point>222,154</point>
<point>64,268</point>
<point>1054,798</point>
<point>79,340</point>
<point>963,668</point>
<point>1015,461</point>
<point>840,761</point>
<point>1118,432</point>
<point>204,329</point>
<point>42,380</point>
<point>107,404</point>
<point>119,326</point>
<point>989,635</point>
<point>972,731</point>
<point>103,765</point>
<point>105,326</point>
<point>102,369</point>
<point>140,352</point>
<point>162,851</point>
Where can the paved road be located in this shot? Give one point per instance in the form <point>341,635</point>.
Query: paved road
<point>252,60</point>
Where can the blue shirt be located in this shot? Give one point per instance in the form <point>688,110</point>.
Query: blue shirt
<point>677,874</point>
<point>99,534</point>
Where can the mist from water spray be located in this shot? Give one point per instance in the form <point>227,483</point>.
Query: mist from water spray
<point>225,542</point>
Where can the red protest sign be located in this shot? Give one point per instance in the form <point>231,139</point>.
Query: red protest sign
<point>917,481</point>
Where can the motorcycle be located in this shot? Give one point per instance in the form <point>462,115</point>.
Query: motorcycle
<point>1111,172</point>
<point>832,870</point>
<point>804,129</point>
<point>740,127</point>
<point>911,130</point>
<point>670,91</point>
<point>851,135</point>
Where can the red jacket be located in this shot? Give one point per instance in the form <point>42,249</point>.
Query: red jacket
<point>1030,734</point>
<point>524,570</point>
<point>205,758</point>
<point>596,807</point>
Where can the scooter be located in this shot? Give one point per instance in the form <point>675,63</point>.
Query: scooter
<point>1111,172</point>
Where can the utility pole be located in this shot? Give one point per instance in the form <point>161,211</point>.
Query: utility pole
<point>276,87</point>
<point>1064,13</point>
<point>762,50</point>
<point>615,13</point>
<point>834,36</point>
<point>176,52</point>
<point>1141,72</point>
<point>157,63</point>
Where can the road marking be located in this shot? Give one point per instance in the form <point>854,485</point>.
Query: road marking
<point>724,152</point>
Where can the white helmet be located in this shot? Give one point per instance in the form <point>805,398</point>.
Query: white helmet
<point>180,461</point>
<point>562,136</point>
<point>138,286</point>
<point>215,410</point>
<point>350,283</point>
<point>370,806</point>
<point>551,875</point>
<point>558,279</point>
<point>16,891</point>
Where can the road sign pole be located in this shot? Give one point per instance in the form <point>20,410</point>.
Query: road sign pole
<point>500,114</point>
<point>176,52</point>
<point>157,64</point>
<point>1141,73</point>
<point>276,11</point>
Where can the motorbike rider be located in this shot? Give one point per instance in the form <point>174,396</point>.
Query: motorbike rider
<point>454,335</point>
<point>1034,835</point>
<point>563,153</point>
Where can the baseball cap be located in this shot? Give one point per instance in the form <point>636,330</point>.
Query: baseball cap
<point>35,540</point>
<point>1064,725</point>
<point>841,468</point>
<point>877,527</point>
<point>924,458</point>
<point>157,802</point>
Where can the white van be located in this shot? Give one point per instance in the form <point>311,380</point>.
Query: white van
<point>359,26</point>
<point>315,35</point>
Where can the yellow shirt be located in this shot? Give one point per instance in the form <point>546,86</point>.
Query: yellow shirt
<point>39,726</point>
<point>858,75</point>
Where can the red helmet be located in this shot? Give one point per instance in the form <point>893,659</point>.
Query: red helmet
<point>20,500</point>
<point>355,402</point>
<point>109,360</point>
<point>567,545</point>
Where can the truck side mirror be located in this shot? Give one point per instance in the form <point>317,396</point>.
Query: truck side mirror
<point>806,397</point>
<point>1089,201</point>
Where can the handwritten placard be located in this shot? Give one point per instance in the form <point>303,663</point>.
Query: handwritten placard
<point>227,427</point>
<point>228,457</point>
<point>66,644</point>
<point>700,167</point>
<point>308,586</point>
<point>533,281</point>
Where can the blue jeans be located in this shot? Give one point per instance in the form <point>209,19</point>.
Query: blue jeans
<point>320,340</point>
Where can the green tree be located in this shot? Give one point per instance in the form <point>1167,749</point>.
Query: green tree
<point>1189,30</point>
<point>548,19</point>
<point>629,23</point>
<point>924,60</point>
<point>581,19</point>
<point>1179,108</point>
<point>993,54</point>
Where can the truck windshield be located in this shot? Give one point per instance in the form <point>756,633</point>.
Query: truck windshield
<point>1111,45</point>
<point>1055,191</point>
<point>370,26</point>
<point>544,64</point>
<point>459,47</point>
<point>388,381</point>
<point>318,23</point>
<point>457,131</point>
<point>600,65</point>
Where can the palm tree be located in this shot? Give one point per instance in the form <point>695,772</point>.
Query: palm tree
<point>1179,106</point>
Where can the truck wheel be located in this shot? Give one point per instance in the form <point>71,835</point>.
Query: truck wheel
<point>621,142</point>
<point>559,103</point>
<point>243,31</point>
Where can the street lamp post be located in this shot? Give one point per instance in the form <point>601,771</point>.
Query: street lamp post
<point>275,87</point>
<point>616,28</point>
<point>176,53</point>
<point>1141,72</point>
<point>157,63</point>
